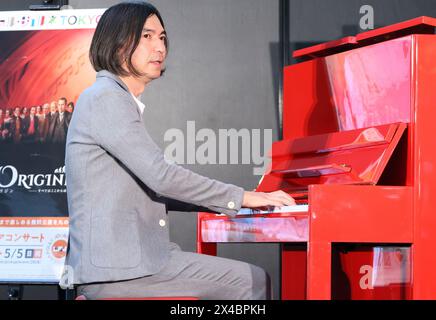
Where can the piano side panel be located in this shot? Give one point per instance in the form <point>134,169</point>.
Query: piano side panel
<point>424,82</point>
<point>353,214</point>
<point>359,214</point>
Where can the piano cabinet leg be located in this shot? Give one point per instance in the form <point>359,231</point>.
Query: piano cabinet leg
<point>209,248</point>
<point>319,260</point>
<point>293,271</point>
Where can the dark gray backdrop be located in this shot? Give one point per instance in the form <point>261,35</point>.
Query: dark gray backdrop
<point>223,71</point>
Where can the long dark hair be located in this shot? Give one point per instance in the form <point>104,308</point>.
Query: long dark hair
<point>118,34</point>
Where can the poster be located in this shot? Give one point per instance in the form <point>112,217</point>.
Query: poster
<point>44,66</point>
<point>32,249</point>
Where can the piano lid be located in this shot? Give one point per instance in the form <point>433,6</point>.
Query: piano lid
<point>348,157</point>
<point>420,25</point>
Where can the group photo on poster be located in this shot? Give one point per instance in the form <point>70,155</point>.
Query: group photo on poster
<point>46,123</point>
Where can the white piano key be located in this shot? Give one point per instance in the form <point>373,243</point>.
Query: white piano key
<point>285,209</point>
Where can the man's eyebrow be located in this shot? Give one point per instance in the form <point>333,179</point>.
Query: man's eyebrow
<point>154,31</point>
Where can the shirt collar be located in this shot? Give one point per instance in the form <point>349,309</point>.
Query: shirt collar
<point>141,106</point>
<point>107,74</point>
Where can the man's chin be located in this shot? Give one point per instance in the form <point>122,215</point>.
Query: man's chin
<point>150,76</point>
<point>155,75</point>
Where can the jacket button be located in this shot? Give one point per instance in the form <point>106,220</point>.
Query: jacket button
<point>162,222</point>
<point>231,205</point>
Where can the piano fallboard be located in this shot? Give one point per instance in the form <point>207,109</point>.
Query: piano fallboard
<point>356,157</point>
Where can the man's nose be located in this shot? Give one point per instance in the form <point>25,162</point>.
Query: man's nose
<point>160,46</point>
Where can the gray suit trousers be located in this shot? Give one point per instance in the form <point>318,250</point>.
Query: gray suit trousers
<point>190,274</point>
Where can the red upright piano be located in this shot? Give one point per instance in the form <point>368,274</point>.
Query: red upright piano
<point>359,157</point>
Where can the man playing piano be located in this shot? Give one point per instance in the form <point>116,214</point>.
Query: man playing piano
<point>118,181</point>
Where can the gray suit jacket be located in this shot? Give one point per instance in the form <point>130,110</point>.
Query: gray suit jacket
<point>117,180</point>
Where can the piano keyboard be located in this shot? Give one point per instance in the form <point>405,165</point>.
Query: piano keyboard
<point>285,209</point>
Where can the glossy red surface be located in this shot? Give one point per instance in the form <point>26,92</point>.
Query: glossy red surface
<point>419,25</point>
<point>266,228</point>
<point>424,175</point>
<point>386,223</point>
<point>349,157</point>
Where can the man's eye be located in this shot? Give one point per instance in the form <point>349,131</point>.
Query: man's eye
<point>147,36</point>
<point>163,38</point>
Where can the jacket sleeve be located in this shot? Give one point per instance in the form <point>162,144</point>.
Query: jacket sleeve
<point>117,127</point>
<point>176,205</point>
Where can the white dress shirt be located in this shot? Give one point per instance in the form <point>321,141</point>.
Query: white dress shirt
<point>141,106</point>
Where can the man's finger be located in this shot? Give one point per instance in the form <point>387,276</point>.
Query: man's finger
<point>285,200</point>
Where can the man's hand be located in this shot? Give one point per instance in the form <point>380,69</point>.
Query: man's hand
<point>262,199</point>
